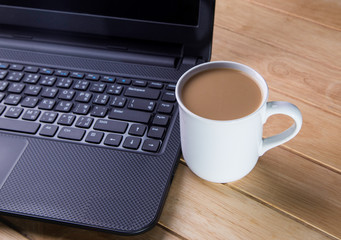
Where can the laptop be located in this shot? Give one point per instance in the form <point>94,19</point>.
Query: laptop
<point>89,131</point>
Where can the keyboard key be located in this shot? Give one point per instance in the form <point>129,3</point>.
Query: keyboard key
<point>48,117</point>
<point>115,89</point>
<point>29,102</point>
<point>141,104</point>
<point>46,71</point>
<point>31,78</point>
<point>3,86</point>
<point>61,73</point>
<point>156,132</point>
<point>92,77</point>
<point>14,112</point>
<point>137,129</point>
<point>110,126</point>
<point>64,83</point>
<point>94,137</point>
<point>113,140</point>
<point>64,106</point>
<point>77,75</point>
<point>142,93</point>
<point>31,69</point>
<point>165,108</point>
<point>81,85</point>
<point>49,92</point>
<point>67,94</point>
<point>3,74</point>
<point>139,83</point>
<point>84,97</point>
<point>130,115</point>
<point>15,76</point>
<point>47,81</point>
<point>13,99</point>
<point>16,87</point>
<point>2,109</point>
<point>168,97</point>
<point>101,99</point>
<point>98,87</point>
<point>31,115</point>
<point>16,67</point>
<point>156,85</point>
<point>161,120</point>
<point>48,130</point>
<point>123,81</point>
<point>132,142</point>
<point>84,122</point>
<point>81,108</point>
<point>171,87</point>
<point>99,111</point>
<point>3,65</point>
<point>33,90</point>
<point>71,133</point>
<point>2,95</point>
<point>66,119</point>
<point>151,145</point>
<point>108,79</point>
<point>46,104</point>
<point>18,126</point>
<point>118,102</point>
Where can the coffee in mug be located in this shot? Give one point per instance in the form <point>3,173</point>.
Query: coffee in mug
<point>221,94</point>
<point>222,107</point>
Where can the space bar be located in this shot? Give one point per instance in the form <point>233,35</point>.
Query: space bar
<point>18,126</point>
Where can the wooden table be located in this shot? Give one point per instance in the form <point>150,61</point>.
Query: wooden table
<point>294,192</point>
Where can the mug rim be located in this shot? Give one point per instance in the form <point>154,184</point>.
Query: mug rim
<point>197,68</point>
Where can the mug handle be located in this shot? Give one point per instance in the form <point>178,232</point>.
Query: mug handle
<point>280,107</point>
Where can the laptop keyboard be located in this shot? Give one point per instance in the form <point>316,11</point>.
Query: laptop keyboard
<point>89,108</point>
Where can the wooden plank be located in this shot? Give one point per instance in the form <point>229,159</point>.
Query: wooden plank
<point>320,11</point>
<point>294,75</point>
<point>36,230</point>
<point>293,34</point>
<point>9,234</point>
<point>321,130</point>
<point>294,185</point>
<point>320,134</point>
<point>197,209</point>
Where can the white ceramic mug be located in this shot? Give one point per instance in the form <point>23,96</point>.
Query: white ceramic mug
<point>225,151</point>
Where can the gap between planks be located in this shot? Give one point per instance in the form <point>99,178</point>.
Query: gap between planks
<point>167,229</point>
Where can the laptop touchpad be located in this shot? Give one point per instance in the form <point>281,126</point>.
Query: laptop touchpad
<point>10,152</point>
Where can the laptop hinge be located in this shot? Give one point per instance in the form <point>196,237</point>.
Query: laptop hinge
<point>105,51</point>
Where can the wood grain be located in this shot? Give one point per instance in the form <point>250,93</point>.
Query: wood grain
<point>319,136</point>
<point>314,140</point>
<point>7,233</point>
<point>292,184</point>
<point>197,209</point>
<point>36,230</point>
<point>294,75</point>
<point>279,29</point>
<point>324,12</point>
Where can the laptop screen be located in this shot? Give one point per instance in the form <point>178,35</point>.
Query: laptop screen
<point>175,11</point>
<point>185,23</point>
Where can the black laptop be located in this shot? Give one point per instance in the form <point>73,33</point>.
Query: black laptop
<point>89,131</point>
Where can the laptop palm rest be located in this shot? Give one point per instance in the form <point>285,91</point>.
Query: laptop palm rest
<point>11,150</point>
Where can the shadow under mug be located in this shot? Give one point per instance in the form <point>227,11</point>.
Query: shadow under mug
<point>225,151</point>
